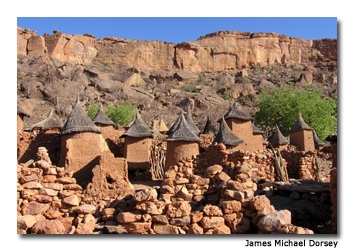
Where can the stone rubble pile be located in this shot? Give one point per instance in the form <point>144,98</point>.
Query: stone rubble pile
<point>194,198</point>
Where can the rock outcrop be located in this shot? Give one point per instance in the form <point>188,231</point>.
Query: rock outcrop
<point>215,52</point>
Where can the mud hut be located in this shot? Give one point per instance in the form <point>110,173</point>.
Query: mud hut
<point>278,140</point>
<point>45,133</point>
<point>137,143</point>
<point>81,144</point>
<point>227,137</point>
<point>301,135</point>
<point>182,143</point>
<point>241,124</point>
<point>51,124</point>
<point>20,117</point>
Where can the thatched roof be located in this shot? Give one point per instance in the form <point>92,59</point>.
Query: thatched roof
<point>235,112</point>
<point>161,126</point>
<point>79,121</point>
<point>277,138</point>
<point>209,128</point>
<point>256,130</point>
<point>189,120</point>
<point>138,128</point>
<point>174,125</point>
<point>22,112</point>
<point>102,118</point>
<point>182,131</point>
<point>49,123</point>
<point>226,136</point>
<point>318,142</point>
<point>300,125</point>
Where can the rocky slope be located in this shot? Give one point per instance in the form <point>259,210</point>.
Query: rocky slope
<point>162,78</point>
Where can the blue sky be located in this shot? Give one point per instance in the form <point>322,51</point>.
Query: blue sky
<point>181,29</point>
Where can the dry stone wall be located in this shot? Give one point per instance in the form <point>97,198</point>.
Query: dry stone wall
<point>194,198</point>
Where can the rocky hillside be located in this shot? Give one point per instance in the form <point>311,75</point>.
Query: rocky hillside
<point>163,78</point>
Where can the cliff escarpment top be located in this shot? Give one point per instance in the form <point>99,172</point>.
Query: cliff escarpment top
<point>214,52</point>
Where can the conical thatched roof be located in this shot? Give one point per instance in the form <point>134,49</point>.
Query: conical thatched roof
<point>49,123</point>
<point>189,120</point>
<point>256,130</point>
<point>300,125</point>
<point>79,121</point>
<point>226,136</point>
<point>138,129</point>
<point>183,132</point>
<point>209,128</point>
<point>174,125</point>
<point>161,126</point>
<point>22,112</point>
<point>277,138</point>
<point>318,142</point>
<point>235,112</point>
<point>102,118</point>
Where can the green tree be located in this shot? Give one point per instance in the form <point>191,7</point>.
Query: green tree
<point>120,115</point>
<point>281,106</point>
<point>123,114</point>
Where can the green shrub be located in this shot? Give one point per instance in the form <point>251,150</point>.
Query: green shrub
<point>282,106</point>
<point>120,115</point>
<point>226,96</point>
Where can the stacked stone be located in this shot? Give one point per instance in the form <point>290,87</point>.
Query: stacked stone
<point>47,193</point>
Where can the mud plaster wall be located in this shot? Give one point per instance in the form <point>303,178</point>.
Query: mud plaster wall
<point>257,142</point>
<point>242,129</point>
<point>112,138</point>
<point>78,150</point>
<point>137,152</point>
<point>178,150</point>
<point>303,140</point>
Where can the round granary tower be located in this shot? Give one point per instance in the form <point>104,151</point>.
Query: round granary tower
<point>182,143</point>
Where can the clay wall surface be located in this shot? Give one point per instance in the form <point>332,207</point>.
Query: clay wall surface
<point>303,140</point>
<point>242,129</point>
<point>79,149</point>
<point>178,150</point>
<point>137,152</point>
<point>112,138</point>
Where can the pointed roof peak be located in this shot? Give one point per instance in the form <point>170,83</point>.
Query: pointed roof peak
<point>138,128</point>
<point>235,112</point>
<point>161,126</point>
<point>277,138</point>
<point>79,121</point>
<point>226,136</point>
<point>182,131</point>
<point>102,118</point>
<point>300,124</point>
<point>48,123</point>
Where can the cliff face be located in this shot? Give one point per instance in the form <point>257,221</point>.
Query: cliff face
<point>215,52</point>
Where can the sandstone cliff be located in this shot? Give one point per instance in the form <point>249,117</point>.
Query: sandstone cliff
<point>215,52</point>
<point>162,78</point>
